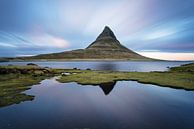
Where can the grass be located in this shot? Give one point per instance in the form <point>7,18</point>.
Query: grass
<point>12,86</point>
<point>14,80</point>
<point>177,77</point>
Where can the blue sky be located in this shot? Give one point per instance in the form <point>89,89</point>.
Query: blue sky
<point>149,27</point>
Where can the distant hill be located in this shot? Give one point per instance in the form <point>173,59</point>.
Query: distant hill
<point>105,47</point>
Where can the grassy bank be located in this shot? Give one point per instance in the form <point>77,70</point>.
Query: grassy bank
<point>12,86</point>
<point>14,80</point>
<point>176,77</point>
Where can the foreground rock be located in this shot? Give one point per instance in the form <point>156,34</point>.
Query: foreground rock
<point>24,70</point>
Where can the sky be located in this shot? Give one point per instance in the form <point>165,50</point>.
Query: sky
<point>161,29</point>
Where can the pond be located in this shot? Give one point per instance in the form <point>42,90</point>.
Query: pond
<point>116,105</point>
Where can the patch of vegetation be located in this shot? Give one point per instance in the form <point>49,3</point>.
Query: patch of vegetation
<point>177,77</point>
<point>16,79</point>
<point>188,68</point>
<point>12,86</point>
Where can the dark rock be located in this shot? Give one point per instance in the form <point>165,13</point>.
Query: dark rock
<point>32,64</point>
<point>107,33</point>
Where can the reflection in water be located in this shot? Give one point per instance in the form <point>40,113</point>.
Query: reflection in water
<point>130,105</point>
<point>107,87</point>
<point>107,66</point>
<point>14,98</point>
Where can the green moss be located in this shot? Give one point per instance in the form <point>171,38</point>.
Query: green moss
<point>184,68</point>
<point>178,77</point>
<point>12,86</point>
<point>14,80</point>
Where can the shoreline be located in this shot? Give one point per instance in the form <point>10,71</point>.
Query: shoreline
<point>94,60</point>
<point>14,80</point>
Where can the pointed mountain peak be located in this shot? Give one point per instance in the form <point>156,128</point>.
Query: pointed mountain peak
<point>106,33</point>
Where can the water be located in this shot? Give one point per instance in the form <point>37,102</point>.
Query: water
<point>143,66</point>
<point>118,105</point>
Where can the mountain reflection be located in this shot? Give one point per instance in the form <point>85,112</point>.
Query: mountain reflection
<point>107,66</point>
<point>107,87</point>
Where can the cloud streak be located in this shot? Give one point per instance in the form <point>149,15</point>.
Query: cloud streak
<point>163,25</point>
<point>12,44</point>
<point>47,40</point>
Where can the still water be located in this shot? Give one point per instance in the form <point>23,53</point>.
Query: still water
<point>143,66</point>
<point>118,105</point>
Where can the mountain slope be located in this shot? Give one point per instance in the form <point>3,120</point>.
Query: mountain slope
<point>106,46</point>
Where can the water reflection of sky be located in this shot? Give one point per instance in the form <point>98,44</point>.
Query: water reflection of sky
<point>128,105</point>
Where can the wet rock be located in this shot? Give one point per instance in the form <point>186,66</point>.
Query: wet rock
<point>32,64</point>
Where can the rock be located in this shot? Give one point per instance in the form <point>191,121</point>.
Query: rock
<point>32,64</point>
<point>65,74</point>
<point>39,73</point>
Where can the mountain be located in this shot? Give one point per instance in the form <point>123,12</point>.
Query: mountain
<point>105,47</point>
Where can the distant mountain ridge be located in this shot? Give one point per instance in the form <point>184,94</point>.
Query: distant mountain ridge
<point>105,47</point>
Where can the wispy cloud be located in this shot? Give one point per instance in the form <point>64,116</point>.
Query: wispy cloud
<point>61,24</point>
<point>38,40</point>
<point>31,44</point>
<point>47,40</point>
<point>7,45</point>
<point>24,55</point>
